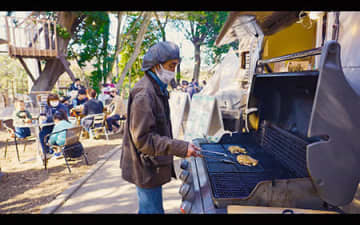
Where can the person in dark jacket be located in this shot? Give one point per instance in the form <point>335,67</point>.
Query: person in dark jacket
<point>148,145</point>
<point>76,86</point>
<point>92,106</point>
<point>80,99</point>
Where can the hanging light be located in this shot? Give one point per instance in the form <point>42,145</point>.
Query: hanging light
<point>315,15</point>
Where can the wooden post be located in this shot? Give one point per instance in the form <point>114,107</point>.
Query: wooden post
<point>32,41</point>
<point>55,40</point>
<point>38,39</point>
<point>14,44</point>
<point>8,34</point>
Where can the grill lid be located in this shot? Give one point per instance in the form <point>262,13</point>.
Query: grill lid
<point>334,164</point>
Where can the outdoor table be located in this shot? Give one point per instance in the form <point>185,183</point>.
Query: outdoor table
<point>78,114</point>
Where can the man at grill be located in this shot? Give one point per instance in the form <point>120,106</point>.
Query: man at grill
<point>148,146</point>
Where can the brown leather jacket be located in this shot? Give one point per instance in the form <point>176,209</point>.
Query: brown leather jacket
<point>148,147</point>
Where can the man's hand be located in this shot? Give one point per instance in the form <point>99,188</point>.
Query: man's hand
<point>193,150</point>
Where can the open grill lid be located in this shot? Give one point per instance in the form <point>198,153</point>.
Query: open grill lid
<point>334,164</point>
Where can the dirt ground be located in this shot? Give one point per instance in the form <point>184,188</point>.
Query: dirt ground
<point>26,187</point>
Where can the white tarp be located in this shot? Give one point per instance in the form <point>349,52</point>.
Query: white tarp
<point>225,83</point>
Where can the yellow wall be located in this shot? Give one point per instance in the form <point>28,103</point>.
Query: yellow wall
<point>292,39</point>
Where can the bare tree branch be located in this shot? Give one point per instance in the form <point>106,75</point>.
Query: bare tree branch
<point>139,39</point>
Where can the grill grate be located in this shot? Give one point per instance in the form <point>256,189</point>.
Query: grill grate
<point>286,148</point>
<point>214,165</point>
<point>235,185</point>
<point>281,155</point>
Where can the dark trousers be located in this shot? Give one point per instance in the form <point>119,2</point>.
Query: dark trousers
<point>22,132</point>
<point>113,121</point>
<point>44,131</point>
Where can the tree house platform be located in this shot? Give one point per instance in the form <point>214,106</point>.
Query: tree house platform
<point>30,37</point>
<point>33,38</point>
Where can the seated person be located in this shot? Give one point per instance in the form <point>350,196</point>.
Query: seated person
<point>21,116</point>
<point>65,100</point>
<point>53,105</point>
<point>104,96</point>
<point>76,86</point>
<point>61,123</point>
<point>119,110</point>
<point>93,106</point>
<point>78,102</point>
<point>109,84</point>
<point>80,99</point>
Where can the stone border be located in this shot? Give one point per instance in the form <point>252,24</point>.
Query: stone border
<point>64,196</point>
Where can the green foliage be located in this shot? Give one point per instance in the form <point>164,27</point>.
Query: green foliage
<point>204,27</point>
<point>91,44</point>
<point>62,32</point>
<point>12,71</point>
<point>152,36</point>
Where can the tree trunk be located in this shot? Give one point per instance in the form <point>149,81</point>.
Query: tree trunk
<point>197,61</point>
<point>139,39</point>
<point>162,26</point>
<point>117,45</point>
<point>53,67</point>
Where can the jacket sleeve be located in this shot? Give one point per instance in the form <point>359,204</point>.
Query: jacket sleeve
<point>53,137</point>
<point>85,110</point>
<point>143,131</point>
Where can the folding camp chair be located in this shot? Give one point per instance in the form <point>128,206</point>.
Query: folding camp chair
<point>72,147</point>
<point>98,124</point>
<point>9,126</point>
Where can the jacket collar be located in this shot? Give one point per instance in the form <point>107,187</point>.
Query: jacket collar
<point>161,85</point>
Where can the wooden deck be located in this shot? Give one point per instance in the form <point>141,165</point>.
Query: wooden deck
<point>31,52</point>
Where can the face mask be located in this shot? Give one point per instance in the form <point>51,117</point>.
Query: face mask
<point>54,103</point>
<point>165,75</point>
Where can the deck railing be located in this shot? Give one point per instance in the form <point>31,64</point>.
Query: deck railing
<point>30,37</point>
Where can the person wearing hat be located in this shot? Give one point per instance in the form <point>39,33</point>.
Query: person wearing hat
<point>104,96</point>
<point>148,145</point>
<point>118,112</point>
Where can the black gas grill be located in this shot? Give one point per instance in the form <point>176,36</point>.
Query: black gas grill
<point>304,140</point>
<point>275,149</point>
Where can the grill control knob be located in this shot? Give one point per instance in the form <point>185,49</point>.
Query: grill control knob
<point>186,192</point>
<point>184,189</point>
<point>184,175</point>
<point>184,164</point>
<point>185,207</point>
